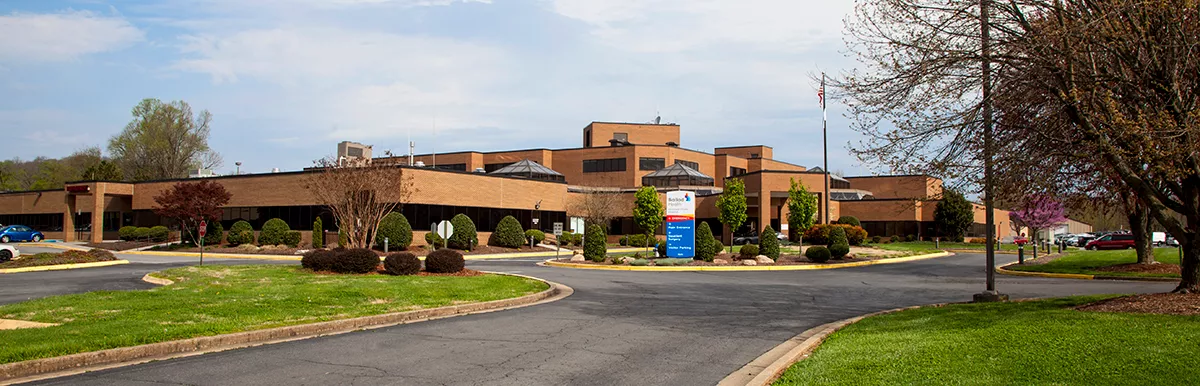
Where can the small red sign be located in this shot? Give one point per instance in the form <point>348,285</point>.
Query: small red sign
<point>203,227</point>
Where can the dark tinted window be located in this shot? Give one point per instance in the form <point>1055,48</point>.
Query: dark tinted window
<point>651,163</point>
<point>604,165</point>
<point>454,167</point>
<point>689,164</point>
<point>736,171</point>
<point>1122,237</point>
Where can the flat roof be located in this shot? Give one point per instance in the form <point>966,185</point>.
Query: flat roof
<point>634,123</point>
<point>739,147</point>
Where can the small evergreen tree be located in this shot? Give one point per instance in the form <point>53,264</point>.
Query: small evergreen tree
<point>395,228</point>
<point>595,243</point>
<point>837,235</point>
<point>705,243</point>
<point>953,215</point>
<point>318,234</point>
<point>508,233</point>
<point>768,244</point>
<point>273,232</point>
<point>465,236</point>
<point>802,211</point>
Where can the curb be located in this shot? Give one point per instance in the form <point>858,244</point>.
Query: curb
<point>998,252</point>
<point>61,267</point>
<point>765,369</point>
<point>1001,269</point>
<point>55,246</point>
<point>551,263</point>
<point>298,257</point>
<point>46,368</point>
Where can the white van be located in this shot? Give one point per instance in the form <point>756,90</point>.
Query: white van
<point>1159,238</point>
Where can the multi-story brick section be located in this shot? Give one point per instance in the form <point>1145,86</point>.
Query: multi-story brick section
<point>616,157</point>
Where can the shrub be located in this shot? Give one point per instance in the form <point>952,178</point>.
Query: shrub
<point>595,244</point>
<point>538,236</point>
<point>102,255</point>
<point>343,238</point>
<point>768,243</point>
<point>855,235</point>
<point>215,233</point>
<point>848,220</point>
<point>273,232</point>
<point>318,260</point>
<point>876,239</point>
<point>818,234</point>
<point>978,240</point>
<point>817,254</point>
<point>444,260</point>
<point>623,241</point>
<point>464,236</point>
<point>508,233</point>
<point>357,260</point>
<point>141,233</point>
<point>240,233</point>
<point>837,235</point>
<point>672,262</point>
<point>292,239</point>
<point>717,247</point>
<point>577,239</point>
<point>434,240</point>
<point>640,240</point>
<point>159,233</point>
<point>395,228</point>
<point>402,263</point>
<point>318,234</point>
<point>910,238</point>
<point>661,248</point>
<point>639,262</point>
<point>749,251</point>
<point>705,250</point>
<point>838,251</point>
<point>895,238</point>
<point>127,232</point>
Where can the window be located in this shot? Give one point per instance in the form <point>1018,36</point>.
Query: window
<point>753,155</point>
<point>651,163</point>
<point>736,171</point>
<point>496,166</point>
<point>624,137</point>
<point>689,164</point>
<point>603,165</point>
<point>455,167</point>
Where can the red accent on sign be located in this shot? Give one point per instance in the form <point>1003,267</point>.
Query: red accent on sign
<point>203,228</point>
<point>79,188</point>
<point>678,218</point>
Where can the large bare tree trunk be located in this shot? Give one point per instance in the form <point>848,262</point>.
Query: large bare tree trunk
<point>1190,264</point>
<point>1139,223</point>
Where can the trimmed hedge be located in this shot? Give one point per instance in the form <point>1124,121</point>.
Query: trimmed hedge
<point>292,239</point>
<point>768,243</point>
<point>141,233</point>
<point>595,243</point>
<point>215,233</point>
<point>876,239</point>
<point>839,251</point>
<point>159,233</point>
<point>127,232</point>
<point>318,234</point>
<point>465,237</point>
<point>749,251</point>
<point>357,260</point>
<point>508,233</point>
<point>402,263</point>
<point>273,232</point>
<point>571,239</point>
<point>538,236</point>
<point>661,248</point>
<point>848,220</point>
<point>817,254</point>
<point>837,235</point>
<point>444,260</point>
<point>318,260</point>
<point>434,240</point>
<point>396,229</point>
<point>240,233</point>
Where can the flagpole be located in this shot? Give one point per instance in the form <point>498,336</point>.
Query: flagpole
<point>825,145</point>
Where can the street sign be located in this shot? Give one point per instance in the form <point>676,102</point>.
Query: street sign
<point>203,228</point>
<point>445,229</point>
<point>535,221</point>
<point>681,224</point>
<point>558,229</point>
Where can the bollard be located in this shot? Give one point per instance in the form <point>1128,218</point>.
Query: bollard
<point>385,245</point>
<point>1020,254</point>
<point>1035,251</point>
<point>1060,245</point>
<point>936,243</point>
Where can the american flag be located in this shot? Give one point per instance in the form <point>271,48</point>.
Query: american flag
<point>821,91</point>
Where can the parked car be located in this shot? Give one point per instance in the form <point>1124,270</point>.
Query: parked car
<point>8,252</point>
<point>1172,242</point>
<point>1020,240</point>
<point>1083,240</point>
<point>19,233</point>
<point>744,240</point>
<point>1112,241</point>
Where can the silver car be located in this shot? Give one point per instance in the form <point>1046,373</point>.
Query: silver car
<point>8,252</point>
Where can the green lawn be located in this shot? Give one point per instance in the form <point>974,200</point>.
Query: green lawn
<point>914,248</point>
<point>212,300</point>
<point>1042,342</point>
<point>1085,262</point>
<point>928,245</point>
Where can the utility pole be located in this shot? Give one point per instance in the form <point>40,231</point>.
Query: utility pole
<point>825,145</point>
<point>990,295</point>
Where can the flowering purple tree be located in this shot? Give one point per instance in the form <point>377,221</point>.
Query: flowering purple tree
<point>1039,213</point>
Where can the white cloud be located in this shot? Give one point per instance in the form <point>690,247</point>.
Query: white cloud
<point>62,36</point>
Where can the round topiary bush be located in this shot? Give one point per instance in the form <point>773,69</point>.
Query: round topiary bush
<point>395,228</point>
<point>838,251</point>
<point>837,235</point>
<point>910,238</point>
<point>444,260</point>
<point>274,232</point>
<point>318,260</point>
<point>357,260</point>
<point>141,234</point>
<point>538,236</point>
<point>748,251</point>
<point>127,233</point>
<point>876,239</point>
<point>215,234</point>
<point>465,237</point>
<point>855,235</point>
<point>895,238</point>
<point>508,233</point>
<point>817,254</point>
<point>595,243</point>
<point>402,263</point>
<point>768,243</point>
<point>240,233</point>
<point>849,220</point>
<point>159,233</point>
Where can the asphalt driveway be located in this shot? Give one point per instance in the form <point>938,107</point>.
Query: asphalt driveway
<point>683,328</point>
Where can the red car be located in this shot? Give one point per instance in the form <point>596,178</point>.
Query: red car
<point>1111,241</point>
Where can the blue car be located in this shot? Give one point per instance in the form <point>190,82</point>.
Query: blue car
<point>19,233</point>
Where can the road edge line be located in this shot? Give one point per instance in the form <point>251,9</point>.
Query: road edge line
<point>62,267</point>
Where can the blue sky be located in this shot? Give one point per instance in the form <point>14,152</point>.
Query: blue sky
<point>287,80</point>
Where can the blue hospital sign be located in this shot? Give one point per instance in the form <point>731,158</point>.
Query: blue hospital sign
<point>681,224</point>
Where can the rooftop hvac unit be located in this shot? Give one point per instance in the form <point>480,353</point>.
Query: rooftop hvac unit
<point>419,164</point>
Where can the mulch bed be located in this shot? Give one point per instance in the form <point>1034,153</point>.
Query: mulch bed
<point>479,250</point>
<point>235,250</point>
<point>122,245</point>
<point>65,257</point>
<point>381,271</point>
<point>1143,268</point>
<point>1169,304</point>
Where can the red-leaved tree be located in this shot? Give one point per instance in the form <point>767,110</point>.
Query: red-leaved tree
<point>192,202</point>
<point>1039,213</point>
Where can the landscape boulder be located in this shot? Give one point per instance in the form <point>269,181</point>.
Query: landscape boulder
<point>720,261</point>
<point>749,262</point>
<point>763,259</point>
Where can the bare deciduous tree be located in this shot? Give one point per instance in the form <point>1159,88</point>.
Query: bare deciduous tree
<point>598,205</point>
<point>359,196</point>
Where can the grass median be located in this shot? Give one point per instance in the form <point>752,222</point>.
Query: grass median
<point>1097,263</point>
<point>1039,342</point>
<point>213,300</point>
<point>59,258</point>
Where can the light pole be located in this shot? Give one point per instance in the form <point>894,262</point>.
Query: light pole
<point>239,168</point>
<point>989,295</point>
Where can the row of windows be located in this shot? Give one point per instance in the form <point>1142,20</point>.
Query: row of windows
<point>454,167</point>
<point>53,222</point>
<point>603,165</point>
<point>494,167</point>
<point>419,216</point>
<point>690,164</point>
<point>736,171</point>
<point>651,163</point>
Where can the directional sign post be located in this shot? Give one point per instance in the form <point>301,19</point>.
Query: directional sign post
<point>203,231</point>
<point>681,224</point>
<point>557,238</point>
